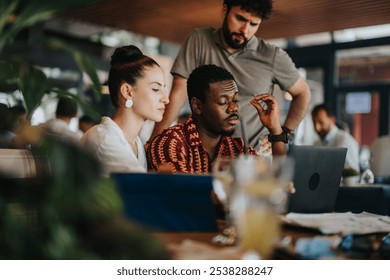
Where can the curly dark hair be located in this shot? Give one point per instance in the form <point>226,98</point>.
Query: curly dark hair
<point>261,8</point>
<point>198,83</point>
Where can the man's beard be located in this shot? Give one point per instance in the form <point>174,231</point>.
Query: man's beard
<point>219,130</point>
<point>227,132</point>
<point>228,37</point>
<point>322,134</point>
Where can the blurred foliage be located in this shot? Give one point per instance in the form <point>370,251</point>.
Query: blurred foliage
<point>17,15</point>
<point>68,212</point>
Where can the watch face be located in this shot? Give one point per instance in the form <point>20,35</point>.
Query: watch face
<point>289,133</point>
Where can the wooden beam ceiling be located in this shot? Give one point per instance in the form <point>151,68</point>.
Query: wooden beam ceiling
<point>172,20</point>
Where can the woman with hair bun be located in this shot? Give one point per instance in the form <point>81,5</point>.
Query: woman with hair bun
<point>137,90</point>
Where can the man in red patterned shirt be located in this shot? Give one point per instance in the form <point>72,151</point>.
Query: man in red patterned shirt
<point>192,147</point>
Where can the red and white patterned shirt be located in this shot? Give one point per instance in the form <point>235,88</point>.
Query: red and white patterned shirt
<point>181,148</point>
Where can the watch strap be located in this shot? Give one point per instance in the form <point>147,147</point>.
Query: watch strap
<point>285,136</point>
<point>278,138</point>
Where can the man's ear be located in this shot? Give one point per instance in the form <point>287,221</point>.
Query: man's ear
<point>126,90</point>
<point>333,119</point>
<point>224,11</point>
<point>196,105</point>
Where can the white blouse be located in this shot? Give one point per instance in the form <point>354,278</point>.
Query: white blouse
<point>108,144</point>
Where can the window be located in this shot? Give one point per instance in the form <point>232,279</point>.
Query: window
<point>362,66</point>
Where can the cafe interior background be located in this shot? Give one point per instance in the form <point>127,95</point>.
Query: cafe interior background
<point>341,47</point>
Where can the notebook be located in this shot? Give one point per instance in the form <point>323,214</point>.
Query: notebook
<point>168,202</point>
<point>317,176</point>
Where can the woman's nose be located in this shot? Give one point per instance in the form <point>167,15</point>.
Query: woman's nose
<point>165,98</point>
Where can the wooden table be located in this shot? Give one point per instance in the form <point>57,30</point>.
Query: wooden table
<point>285,250</point>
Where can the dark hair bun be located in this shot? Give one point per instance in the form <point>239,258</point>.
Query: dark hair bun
<point>126,54</point>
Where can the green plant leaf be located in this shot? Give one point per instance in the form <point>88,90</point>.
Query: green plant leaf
<point>7,9</point>
<point>31,12</point>
<point>33,84</point>
<point>8,77</point>
<point>20,75</point>
<point>85,63</point>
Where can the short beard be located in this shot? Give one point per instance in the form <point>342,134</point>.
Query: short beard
<point>228,37</point>
<point>322,135</point>
<point>227,132</point>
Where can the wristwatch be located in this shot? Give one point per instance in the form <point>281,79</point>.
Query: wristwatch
<point>286,136</point>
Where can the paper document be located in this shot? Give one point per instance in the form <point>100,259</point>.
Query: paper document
<point>343,223</point>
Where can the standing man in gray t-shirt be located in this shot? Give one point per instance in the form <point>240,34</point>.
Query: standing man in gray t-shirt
<point>257,66</point>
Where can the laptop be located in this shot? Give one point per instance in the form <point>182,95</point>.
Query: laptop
<point>168,202</point>
<point>317,176</point>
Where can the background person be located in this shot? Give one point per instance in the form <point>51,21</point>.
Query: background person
<point>380,158</point>
<point>59,127</point>
<point>6,134</point>
<point>19,123</point>
<point>330,135</point>
<point>85,123</point>
<point>256,65</point>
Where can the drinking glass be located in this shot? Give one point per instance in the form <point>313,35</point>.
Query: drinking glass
<point>258,199</point>
<point>223,179</point>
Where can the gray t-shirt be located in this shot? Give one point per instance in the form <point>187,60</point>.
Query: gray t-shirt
<point>256,69</point>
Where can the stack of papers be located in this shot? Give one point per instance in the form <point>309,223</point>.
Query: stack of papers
<point>341,223</point>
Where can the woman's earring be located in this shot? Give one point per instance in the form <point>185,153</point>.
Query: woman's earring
<point>129,103</point>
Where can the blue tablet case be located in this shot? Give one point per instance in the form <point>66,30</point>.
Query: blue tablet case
<point>168,202</point>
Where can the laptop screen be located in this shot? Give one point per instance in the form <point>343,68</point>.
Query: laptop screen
<point>168,202</point>
<point>317,177</point>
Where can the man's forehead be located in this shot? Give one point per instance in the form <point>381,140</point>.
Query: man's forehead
<point>250,16</point>
<point>322,113</point>
<point>228,86</point>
